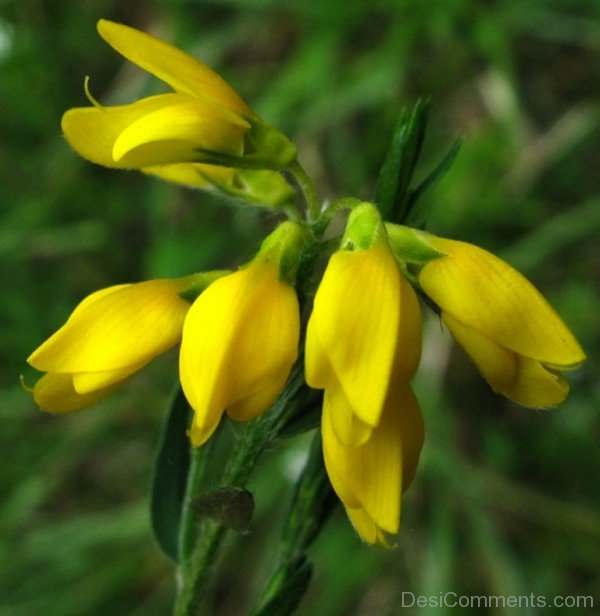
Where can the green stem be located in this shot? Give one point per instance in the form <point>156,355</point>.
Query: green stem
<point>189,520</point>
<point>313,501</point>
<point>196,569</point>
<point>314,210</point>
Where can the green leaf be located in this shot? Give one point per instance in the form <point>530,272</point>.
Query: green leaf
<point>286,588</point>
<point>170,476</point>
<point>416,214</point>
<point>391,191</point>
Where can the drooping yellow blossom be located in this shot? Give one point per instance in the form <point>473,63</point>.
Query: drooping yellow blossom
<point>509,330</point>
<point>240,337</point>
<point>111,334</point>
<point>363,311</point>
<point>362,347</point>
<point>203,121</point>
<point>370,478</point>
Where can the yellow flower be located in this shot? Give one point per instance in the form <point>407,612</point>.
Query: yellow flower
<point>111,334</point>
<point>513,335</point>
<point>363,311</point>
<point>240,338</point>
<point>363,346</point>
<point>370,478</point>
<point>203,121</point>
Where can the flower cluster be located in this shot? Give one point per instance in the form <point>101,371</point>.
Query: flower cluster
<point>240,331</point>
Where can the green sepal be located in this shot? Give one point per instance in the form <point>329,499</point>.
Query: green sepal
<point>258,187</point>
<point>233,507</point>
<point>363,228</point>
<point>264,148</point>
<point>200,283</point>
<point>269,145</point>
<point>169,479</point>
<point>285,244</point>
<point>410,245</point>
<point>416,211</point>
<point>392,189</point>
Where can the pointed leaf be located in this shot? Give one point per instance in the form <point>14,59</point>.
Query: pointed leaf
<point>170,476</point>
<point>416,214</point>
<point>391,193</point>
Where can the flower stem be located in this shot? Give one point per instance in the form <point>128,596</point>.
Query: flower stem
<point>196,568</point>
<point>312,503</point>
<point>308,191</point>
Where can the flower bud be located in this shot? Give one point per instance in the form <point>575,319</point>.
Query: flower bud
<point>240,338</point>
<point>509,330</point>
<point>111,334</point>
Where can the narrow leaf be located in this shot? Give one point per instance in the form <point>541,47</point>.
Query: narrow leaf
<point>416,213</point>
<point>391,191</point>
<point>388,180</point>
<point>170,476</point>
<point>286,588</point>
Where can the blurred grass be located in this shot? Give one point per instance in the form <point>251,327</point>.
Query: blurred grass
<point>506,499</point>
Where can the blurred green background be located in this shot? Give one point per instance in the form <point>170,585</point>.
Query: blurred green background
<point>506,499</point>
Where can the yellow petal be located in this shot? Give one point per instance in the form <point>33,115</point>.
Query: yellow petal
<point>253,405</point>
<point>175,67</point>
<point>54,393</point>
<point>201,430</point>
<point>180,130</point>
<point>371,473</point>
<point>364,525</point>
<point>88,382</point>
<point>349,429</point>
<point>128,326</point>
<point>92,131</point>
<point>483,292</point>
<point>523,380</point>
<point>192,174</point>
<point>412,429</point>
<point>408,342</point>
<point>354,323</point>
<point>240,336</point>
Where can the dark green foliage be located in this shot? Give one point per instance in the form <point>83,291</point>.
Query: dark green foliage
<point>170,476</point>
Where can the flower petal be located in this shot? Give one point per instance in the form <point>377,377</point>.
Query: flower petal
<point>364,525</point>
<point>92,131</point>
<point>355,323</point>
<point>240,336</point>
<point>349,429</point>
<point>371,473</point>
<point>253,405</point>
<point>123,328</point>
<point>201,430</point>
<point>181,71</point>
<point>521,379</point>
<point>88,382</point>
<point>482,291</point>
<point>412,430</point>
<point>192,174</point>
<point>54,393</point>
<point>180,129</point>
